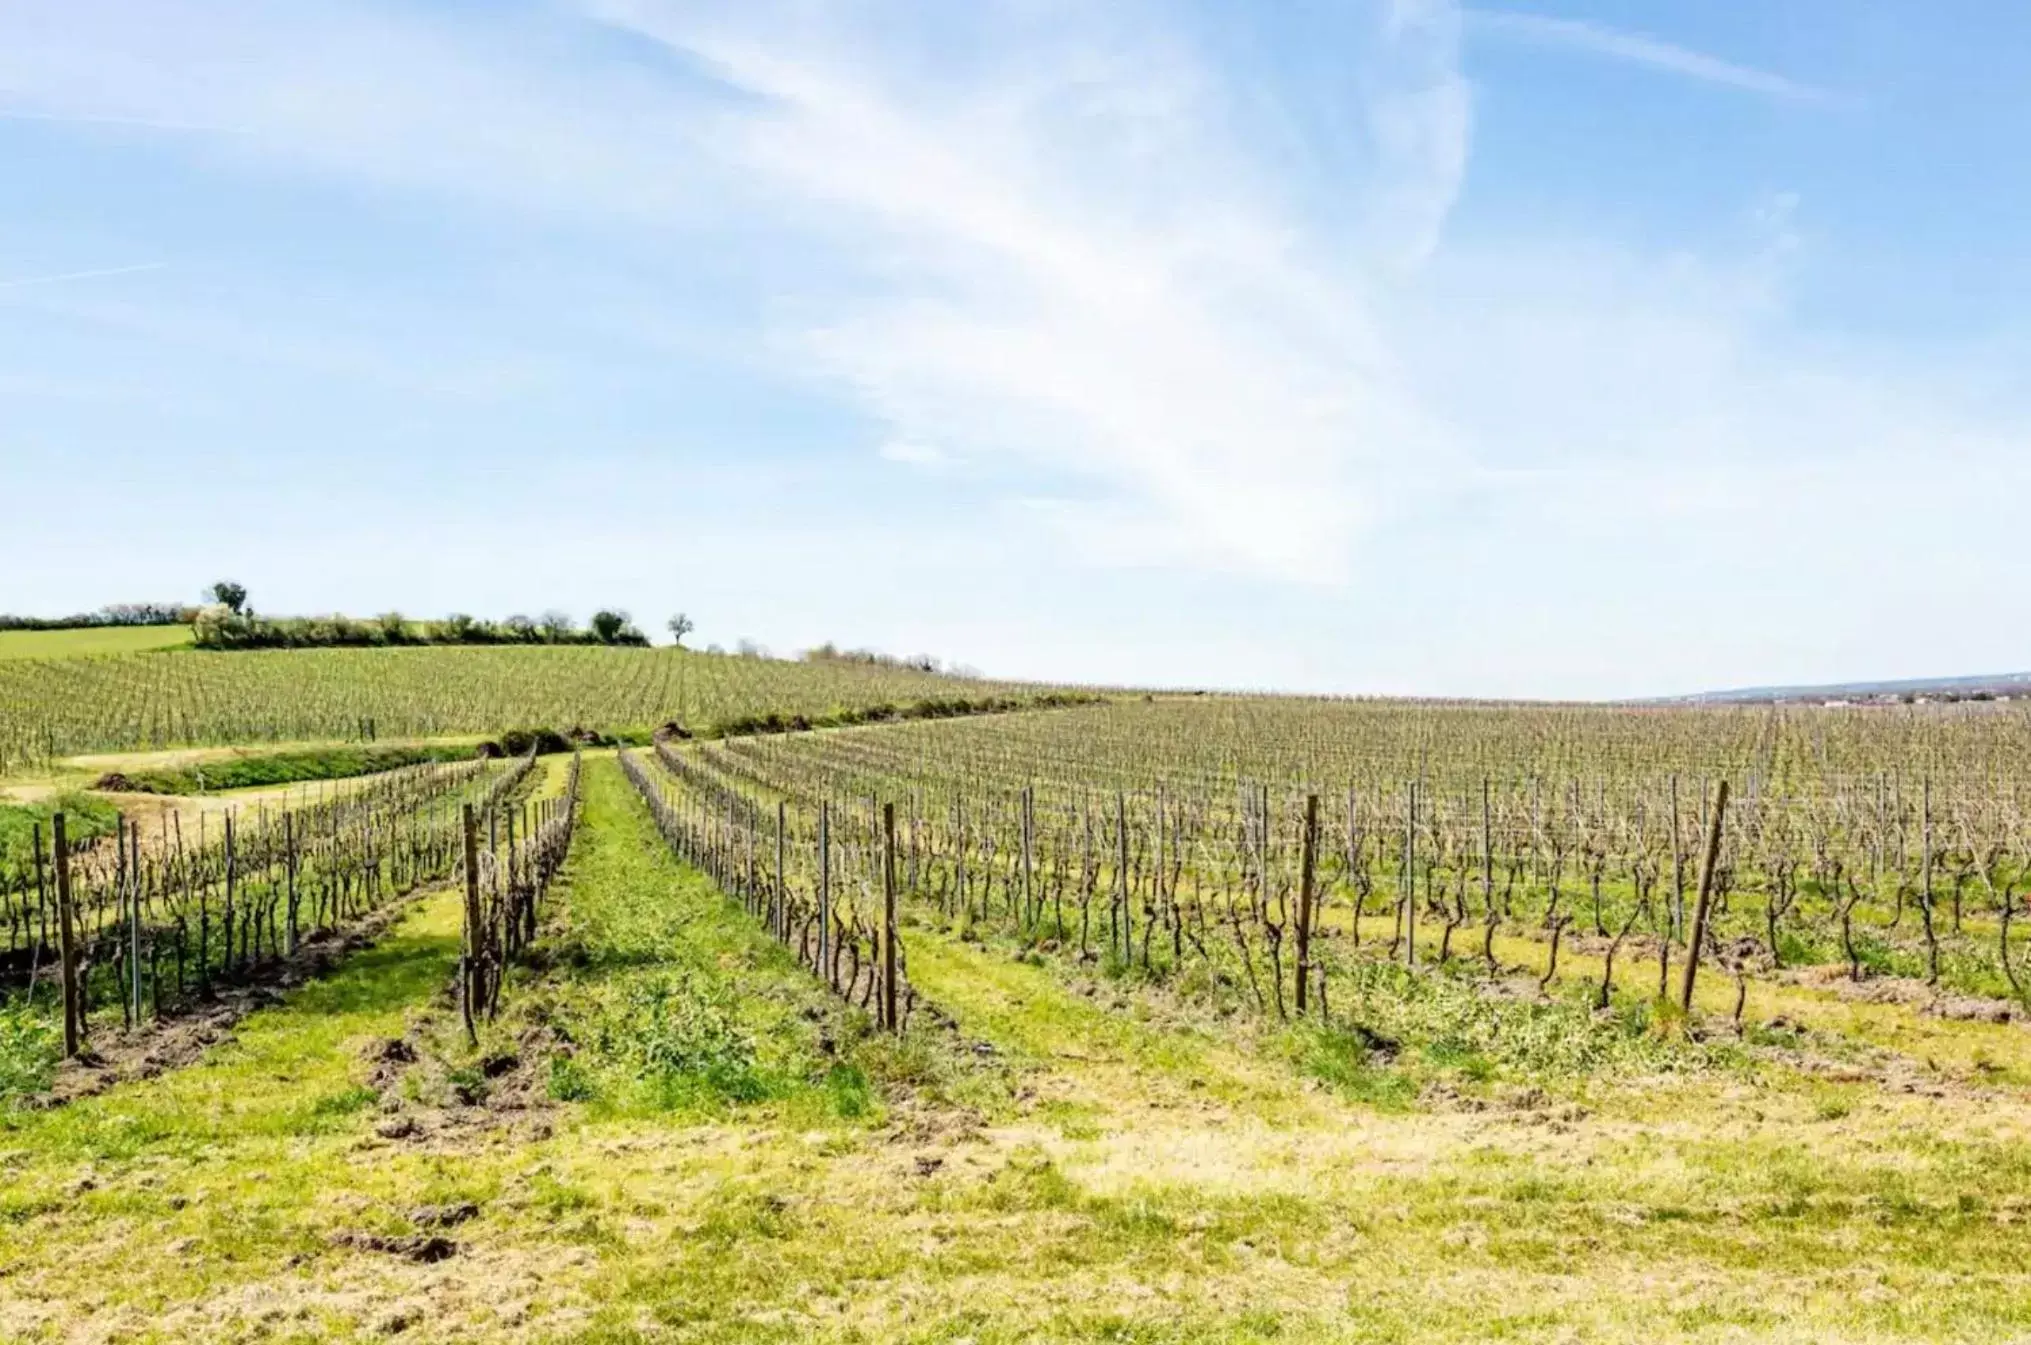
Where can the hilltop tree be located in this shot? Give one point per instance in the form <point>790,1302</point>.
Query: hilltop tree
<point>608,625</point>
<point>232,596</point>
<point>680,625</point>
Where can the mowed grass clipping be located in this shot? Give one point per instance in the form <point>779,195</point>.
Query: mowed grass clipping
<point>90,640</point>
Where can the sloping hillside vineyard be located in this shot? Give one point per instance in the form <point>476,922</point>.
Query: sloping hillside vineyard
<point>51,708</point>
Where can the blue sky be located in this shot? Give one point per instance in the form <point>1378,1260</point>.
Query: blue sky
<point>1560,349</point>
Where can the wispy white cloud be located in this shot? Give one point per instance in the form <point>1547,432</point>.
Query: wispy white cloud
<point>61,277</point>
<point>1089,273</point>
<point>1172,312</point>
<point>134,123</point>
<point>1639,49</point>
<point>914,454</point>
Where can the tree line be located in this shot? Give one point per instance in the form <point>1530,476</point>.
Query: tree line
<point>113,614</point>
<point>227,622</point>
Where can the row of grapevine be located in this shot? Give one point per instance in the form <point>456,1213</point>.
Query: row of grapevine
<point>822,880</point>
<point>505,886</point>
<point>149,928</point>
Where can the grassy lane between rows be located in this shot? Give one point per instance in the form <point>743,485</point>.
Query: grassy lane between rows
<point>673,1134</point>
<point>1617,1195</point>
<point>1994,1052</point>
<point>164,1209</point>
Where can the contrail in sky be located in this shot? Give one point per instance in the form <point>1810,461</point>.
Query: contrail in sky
<point>78,119</point>
<point>79,275</point>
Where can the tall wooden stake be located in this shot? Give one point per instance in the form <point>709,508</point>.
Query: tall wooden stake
<point>1706,893</point>
<point>134,923</point>
<point>469,979</point>
<point>1307,866</point>
<point>1410,880</point>
<point>779,923</point>
<point>1121,865</point>
<point>1029,840</point>
<point>889,1018</point>
<point>825,893</point>
<point>67,948</point>
<point>1677,867</point>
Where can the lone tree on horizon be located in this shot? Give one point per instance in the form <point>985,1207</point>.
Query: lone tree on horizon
<point>680,626</point>
<point>231,594</point>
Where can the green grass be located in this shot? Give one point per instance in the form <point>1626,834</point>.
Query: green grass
<point>251,770</point>
<point>725,1155</point>
<point>673,1000</point>
<point>91,640</point>
<point>84,816</point>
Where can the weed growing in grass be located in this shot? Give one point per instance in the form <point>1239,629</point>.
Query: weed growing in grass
<point>678,1031</point>
<point>29,1047</point>
<point>1397,1026</point>
<point>1346,1061</point>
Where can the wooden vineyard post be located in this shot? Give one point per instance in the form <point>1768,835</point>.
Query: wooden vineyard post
<point>134,924</point>
<point>1677,867</point>
<point>67,946</point>
<point>511,914</point>
<point>1121,876</point>
<point>1163,900</point>
<point>120,912</point>
<point>1305,873</point>
<point>779,923</point>
<point>1029,840</point>
<point>289,861</point>
<point>888,1014</point>
<point>40,934</point>
<point>825,893</point>
<point>232,883</point>
<point>469,957</point>
<point>1925,883</point>
<point>1353,858</point>
<point>1487,877</point>
<point>1698,934</point>
<point>1410,879</point>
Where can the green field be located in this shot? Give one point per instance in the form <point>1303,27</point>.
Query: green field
<point>216,772</point>
<point>91,640</point>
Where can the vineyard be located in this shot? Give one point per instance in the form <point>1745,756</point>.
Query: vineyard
<point>1226,835</point>
<point>1164,1018</point>
<point>56,708</point>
